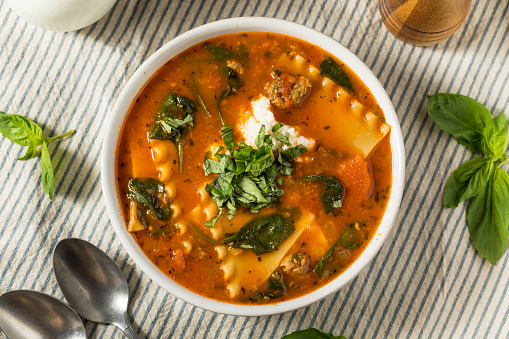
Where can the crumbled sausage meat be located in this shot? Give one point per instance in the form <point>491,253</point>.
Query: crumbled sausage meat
<point>236,66</point>
<point>286,91</point>
<point>296,263</point>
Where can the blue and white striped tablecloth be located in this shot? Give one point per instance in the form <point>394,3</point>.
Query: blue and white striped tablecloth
<point>427,281</point>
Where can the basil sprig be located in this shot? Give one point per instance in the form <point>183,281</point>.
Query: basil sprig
<point>481,179</point>
<point>312,333</point>
<point>247,176</point>
<point>25,132</point>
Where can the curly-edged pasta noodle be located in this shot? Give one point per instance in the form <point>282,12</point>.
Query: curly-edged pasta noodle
<point>163,153</point>
<point>180,226</point>
<point>245,270</point>
<point>188,247</point>
<point>170,190</point>
<point>134,223</point>
<point>210,210</point>
<point>175,210</point>
<point>359,126</point>
<point>296,64</point>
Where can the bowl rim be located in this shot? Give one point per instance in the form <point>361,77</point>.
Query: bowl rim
<point>139,80</point>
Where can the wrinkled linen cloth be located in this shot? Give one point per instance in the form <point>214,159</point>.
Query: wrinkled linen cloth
<point>426,281</point>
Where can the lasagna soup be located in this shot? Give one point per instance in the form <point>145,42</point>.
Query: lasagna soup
<point>254,168</point>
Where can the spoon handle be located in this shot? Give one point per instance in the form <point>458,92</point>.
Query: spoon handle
<point>130,333</point>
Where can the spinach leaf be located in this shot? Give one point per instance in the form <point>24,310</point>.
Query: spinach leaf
<point>150,194</point>
<point>320,268</point>
<point>173,120</point>
<point>25,132</point>
<point>466,181</point>
<point>495,138</point>
<point>223,54</point>
<point>276,285</point>
<point>330,69</point>
<point>263,234</point>
<point>311,333</point>
<point>353,235</point>
<point>293,214</point>
<point>462,117</point>
<point>333,193</point>
<point>488,217</point>
<point>234,83</point>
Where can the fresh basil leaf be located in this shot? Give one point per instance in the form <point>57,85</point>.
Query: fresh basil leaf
<point>293,152</point>
<point>333,193</point>
<point>246,177</point>
<point>46,171</point>
<point>462,117</point>
<point>466,181</point>
<point>488,217</point>
<point>495,138</point>
<point>20,130</point>
<point>311,333</point>
<point>150,193</point>
<point>30,153</point>
<point>250,188</point>
<point>285,139</point>
<point>353,235</point>
<point>330,69</point>
<point>211,223</point>
<point>228,138</point>
<point>260,138</point>
<point>264,233</point>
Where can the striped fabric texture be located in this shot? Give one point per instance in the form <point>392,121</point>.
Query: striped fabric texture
<point>427,280</point>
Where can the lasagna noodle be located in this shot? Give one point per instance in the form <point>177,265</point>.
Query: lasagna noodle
<point>358,126</point>
<point>245,269</point>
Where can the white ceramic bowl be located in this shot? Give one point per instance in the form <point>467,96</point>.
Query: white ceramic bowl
<point>188,39</point>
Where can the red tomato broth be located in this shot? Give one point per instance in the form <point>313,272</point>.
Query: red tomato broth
<point>366,181</point>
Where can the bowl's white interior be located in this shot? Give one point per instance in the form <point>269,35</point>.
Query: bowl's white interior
<point>181,43</point>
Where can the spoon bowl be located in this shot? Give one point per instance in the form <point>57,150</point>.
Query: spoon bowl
<point>30,314</point>
<point>92,283</point>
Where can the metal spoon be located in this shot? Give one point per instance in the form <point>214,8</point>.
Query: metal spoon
<point>28,314</point>
<point>92,284</point>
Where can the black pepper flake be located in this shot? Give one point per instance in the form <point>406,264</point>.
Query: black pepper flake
<point>260,259</point>
<point>326,127</point>
<point>174,161</point>
<point>187,180</point>
<point>191,142</point>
